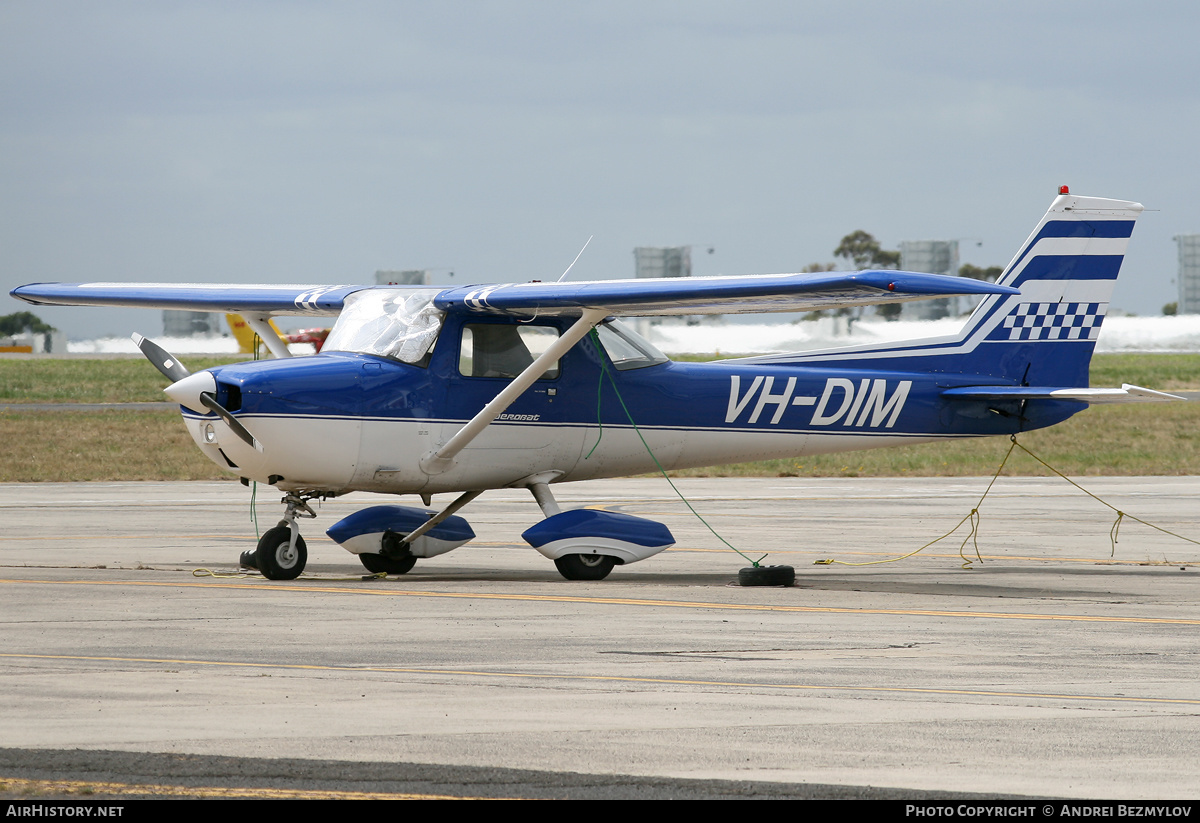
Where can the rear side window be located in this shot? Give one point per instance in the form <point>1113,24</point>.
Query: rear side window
<point>502,350</point>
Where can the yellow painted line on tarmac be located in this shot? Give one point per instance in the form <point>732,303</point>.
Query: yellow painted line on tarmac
<point>91,539</point>
<point>599,678</point>
<point>299,587</point>
<point>1107,561</point>
<point>32,790</point>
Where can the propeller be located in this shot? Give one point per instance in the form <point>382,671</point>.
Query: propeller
<point>161,359</point>
<point>210,401</point>
<point>197,392</point>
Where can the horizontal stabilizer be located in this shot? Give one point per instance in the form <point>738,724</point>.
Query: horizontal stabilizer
<point>1125,394</point>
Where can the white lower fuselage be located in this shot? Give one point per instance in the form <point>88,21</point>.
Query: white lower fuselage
<point>384,455</point>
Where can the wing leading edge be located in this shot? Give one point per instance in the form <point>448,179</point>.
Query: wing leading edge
<point>713,295</point>
<point>693,295</point>
<point>262,299</point>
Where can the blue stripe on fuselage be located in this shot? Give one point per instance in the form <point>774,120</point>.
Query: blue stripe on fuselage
<point>676,396</point>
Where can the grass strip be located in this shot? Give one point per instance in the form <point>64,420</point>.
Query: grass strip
<point>58,446</point>
<point>100,445</point>
<point>78,380</point>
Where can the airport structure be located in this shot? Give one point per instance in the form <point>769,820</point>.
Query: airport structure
<point>408,277</point>
<point>192,323</point>
<point>30,342</point>
<point>1189,273</point>
<point>663,261</point>
<point>935,257</point>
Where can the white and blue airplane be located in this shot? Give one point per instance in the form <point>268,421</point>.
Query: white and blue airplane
<point>426,391</point>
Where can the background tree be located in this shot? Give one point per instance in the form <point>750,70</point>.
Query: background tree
<point>991,274</point>
<point>22,321</point>
<point>812,268</point>
<point>858,248</point>
<point>862,250</point>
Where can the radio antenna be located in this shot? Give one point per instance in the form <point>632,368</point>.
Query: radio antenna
<point>576,260</point>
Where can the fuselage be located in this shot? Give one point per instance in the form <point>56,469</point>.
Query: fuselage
<point>343,421</point>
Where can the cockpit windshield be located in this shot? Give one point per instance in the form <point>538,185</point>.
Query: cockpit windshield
<point>402,324</point>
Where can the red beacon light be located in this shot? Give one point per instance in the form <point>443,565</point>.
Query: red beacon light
<point>1064,189</point>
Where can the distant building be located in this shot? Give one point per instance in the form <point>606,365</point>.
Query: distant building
<point>935,257</point>
<point>53,341</point>
<point>192,323</point>
<point>408,277</point>
<point>1189,273</point>
<point>663,261</point>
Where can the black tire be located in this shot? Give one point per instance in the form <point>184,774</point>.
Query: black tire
<point>585,566</point>
<point>275,558</point>
<point>377,563</point>
<point>767,576</point>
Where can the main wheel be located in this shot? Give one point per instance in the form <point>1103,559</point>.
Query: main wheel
<point>585,566</point>
<point>377,563</point>
<point>275,557</point>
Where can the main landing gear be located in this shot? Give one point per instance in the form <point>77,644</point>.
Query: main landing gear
<point>586,544</point>
<point>281,553</point>
<point>585,566</point>
<point>396,558</point>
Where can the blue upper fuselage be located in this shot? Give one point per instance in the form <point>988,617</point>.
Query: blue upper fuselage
<point>725,395</point>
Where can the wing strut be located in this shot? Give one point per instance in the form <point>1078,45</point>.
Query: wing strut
<point>440,459</point>
<point>262,327</point>
<point>460,501</point>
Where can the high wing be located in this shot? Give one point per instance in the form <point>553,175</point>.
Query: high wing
<point>228,298</point>
<point>693,295</point>
<point>713,295</point>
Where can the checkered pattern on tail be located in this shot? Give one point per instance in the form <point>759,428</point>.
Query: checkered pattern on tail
<point>1051,321</point>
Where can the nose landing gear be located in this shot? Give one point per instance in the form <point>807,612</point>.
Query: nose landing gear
<point>279,556</point>
<point>281,553</point>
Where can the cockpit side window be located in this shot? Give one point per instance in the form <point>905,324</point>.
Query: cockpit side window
<point>504,350</point>
<point>626,348</point>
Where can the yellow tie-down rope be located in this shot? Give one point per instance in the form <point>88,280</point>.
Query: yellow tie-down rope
<point>973,517</point>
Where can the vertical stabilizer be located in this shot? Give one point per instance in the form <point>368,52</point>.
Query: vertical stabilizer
<point>1045,335</point>
<point>1066,272</point>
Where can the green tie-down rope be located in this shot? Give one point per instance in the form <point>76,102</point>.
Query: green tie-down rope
<point>254,506</point>
<point>254,483</point>
<point>595,338</point>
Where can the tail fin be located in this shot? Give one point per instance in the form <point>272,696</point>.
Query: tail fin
<point>1043,336</point>
<point>1066,272</point>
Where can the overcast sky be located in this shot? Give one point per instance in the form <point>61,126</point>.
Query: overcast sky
<point>319,142</point>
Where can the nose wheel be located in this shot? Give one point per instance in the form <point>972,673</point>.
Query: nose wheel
<point>277,558</point>
<point>281,553</point>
